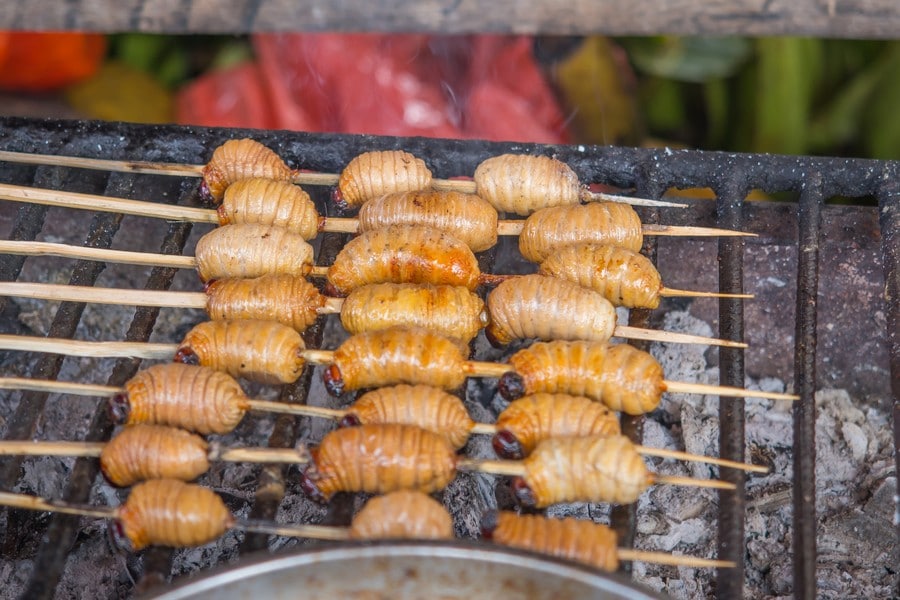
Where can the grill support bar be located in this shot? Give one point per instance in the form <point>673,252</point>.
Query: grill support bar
<point>732,504</point>
<point>804,542</point>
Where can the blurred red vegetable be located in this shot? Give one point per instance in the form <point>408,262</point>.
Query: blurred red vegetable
<point>481,86</point>
<point>40,62</point>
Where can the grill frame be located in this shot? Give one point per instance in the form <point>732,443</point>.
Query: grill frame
<point>650,172</point>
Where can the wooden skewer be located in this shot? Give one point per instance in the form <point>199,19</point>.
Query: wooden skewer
<point>289,456</point>
<point>663,558</point>
<point>143,208</point>
<point>332,305</point>
<point>166,351</point>
<point>28,502</point>
<point>319,532</point>
<point>515,468</point>
<point>465,186</point>
<point>670,293</point>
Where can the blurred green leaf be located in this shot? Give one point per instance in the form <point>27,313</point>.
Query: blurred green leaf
<point>663,105</point>
<point>232,53</point>
<point>141,50</point>
<point>694,59</point>
<point>882,121</point>
<point>715,94</point>
<point>787,72</point>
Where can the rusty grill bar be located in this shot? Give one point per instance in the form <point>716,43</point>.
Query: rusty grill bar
<point>649,172</point>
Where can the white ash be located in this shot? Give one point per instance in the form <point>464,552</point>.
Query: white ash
<point>855,488</point>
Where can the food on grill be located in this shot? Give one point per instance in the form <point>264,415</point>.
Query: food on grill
<point>521,184</point>
<point>620,376</point>
<point>598,222</point>
<point>263,351</point>
<point>452,311</point>
<point>582,541</point>
<point>403,254</point>
<point>197,398</point>
<point>374,174</point>
<point>403,514</point>
<point>409,355</point>
<point>240,159</point>
<point>288,299</point>
<point>422,405</point>
<point>168,512</point>
<point>532,419</point>
<point>278,203</point>
<point>379,459</point>
<point>464,216</point>
<point>144,452</point>
<point>547,308</point>
<point>252,251</point>
<point>623,277</point>
<point>582,469</point>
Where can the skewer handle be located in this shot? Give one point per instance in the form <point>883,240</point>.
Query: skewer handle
<point>58,387</point>
<point>141,208</point>
<point>88,349</point>
<point>636,333</point>
<point>36,503</point>
<point>682,387</point>
<point>484,429</point>
<point>129,297</point>
<point>126,257</point>
<point>99,164</point>
<point>50,448</point>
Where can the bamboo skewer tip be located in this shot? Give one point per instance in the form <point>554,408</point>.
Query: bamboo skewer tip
<point>716,484</point>
<point>678,560</point>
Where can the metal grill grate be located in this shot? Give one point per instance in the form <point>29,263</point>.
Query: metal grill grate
<point>649,172</point>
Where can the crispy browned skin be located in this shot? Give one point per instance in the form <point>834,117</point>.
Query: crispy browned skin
<point>270,202</point>
<point>252,251</point>
<point>142,452</point>
<point>403,514</point>
<point>195,398</point>
<point>620,376</point>
<point>381,458</point>
<point>541,416</point>
<point>598,222</point>
<point>428,407</point>
<point>547,308</point>
<point>287,299</point>
<point>241,159</point>
<point>262,351</point>
<point>403,254</point>
<point>464,216</point>
<point>522,184</point>
<point>373,174</point>
<point>168,512</point>
<point>453,311</point>
<point>399,355</point>
<point>623,277</point>
<point>585,469</point>
<point>583,541</point>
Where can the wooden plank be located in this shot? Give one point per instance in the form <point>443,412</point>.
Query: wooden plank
<point>820,18</point>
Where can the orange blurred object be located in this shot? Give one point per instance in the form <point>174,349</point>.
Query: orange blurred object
<point>41,62</point>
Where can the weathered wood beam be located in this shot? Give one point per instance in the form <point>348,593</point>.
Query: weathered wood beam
<point>819,18</point>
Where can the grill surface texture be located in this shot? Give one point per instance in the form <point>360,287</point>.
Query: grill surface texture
<point>824,324</point>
